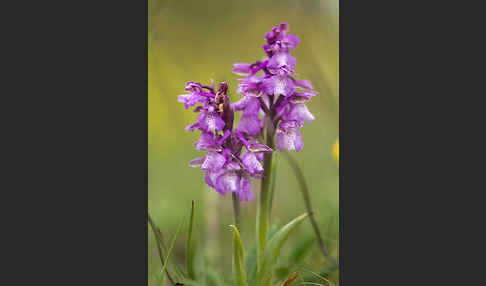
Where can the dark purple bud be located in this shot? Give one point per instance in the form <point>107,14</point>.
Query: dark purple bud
<point>222,89</point>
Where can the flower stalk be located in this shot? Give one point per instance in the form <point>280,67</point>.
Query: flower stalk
<point>263,216</point>
<point>236,210</point>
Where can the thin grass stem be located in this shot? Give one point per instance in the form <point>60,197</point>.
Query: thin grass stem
<point>305,193</point>
<point>159,242</point>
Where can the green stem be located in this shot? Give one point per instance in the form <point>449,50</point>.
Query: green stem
<point>236,210</point>
<point>305,193</point>
<point>272,184</point>
<point>263,214</point>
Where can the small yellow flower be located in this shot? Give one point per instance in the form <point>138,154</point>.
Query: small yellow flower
<point>335,150</point>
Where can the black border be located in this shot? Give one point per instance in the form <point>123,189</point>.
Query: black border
<point>80,152</point>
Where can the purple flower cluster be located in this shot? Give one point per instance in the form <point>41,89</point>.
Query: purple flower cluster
<point>269,90</point>
<point>275,91</point>
<point>226,166</point>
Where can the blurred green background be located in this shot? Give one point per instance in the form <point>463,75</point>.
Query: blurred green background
<point>200,40</point>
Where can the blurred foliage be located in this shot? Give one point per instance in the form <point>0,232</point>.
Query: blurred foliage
<point>200,40</point>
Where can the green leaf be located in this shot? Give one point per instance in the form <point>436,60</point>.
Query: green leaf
<point>189,249</point>
<point>272,250</point>
<point>282,272</point>
<point>300,250</point>
<point>251,258</point>
<point>238,259</point>
<point>251,264</point>
<point>160,245</point>
<point>213,278</point>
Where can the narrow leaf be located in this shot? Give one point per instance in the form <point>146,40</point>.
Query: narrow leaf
<point>272,251</point>
<point>251,258</point>
<point>160,245</point>
<point>171,247</point>
<point>238,259</point>
<point>301,248</point>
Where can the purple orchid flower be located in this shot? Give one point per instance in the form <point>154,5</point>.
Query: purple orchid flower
<point>226,169</point>
<point>279,94</point>
<point>288,137</point>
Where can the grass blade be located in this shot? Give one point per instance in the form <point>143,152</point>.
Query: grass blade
<point>171,246</point>
<point>300,250</point>
<point>238,259</point>
<point>321,277</point>
<point>251,259</point>
<point>160,246</point>
<point>305,193</point>
<point>272,251</point>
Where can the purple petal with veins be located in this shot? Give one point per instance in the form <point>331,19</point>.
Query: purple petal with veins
<point>281,61</point>
<point>205,140</point>
<point>250,86</point>
<point>246,192</point>
<point>250,124</point>
<point>301,97</point>
<point>299,113</point>
<point>241,104</point>
<point>251,163</point>
<point>303,83</point>
<point>214,161</point>
<point>233,166</point>
<point>228,181</point>
<point>279,85</point>
<point>288,137</point>
<point>291,41</point>
<point>210,121</point>
<point>242,69</point>
<point>211,176</point>
<point>190,99</point>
